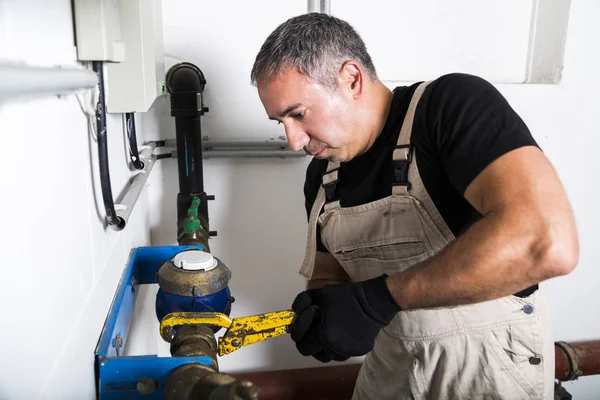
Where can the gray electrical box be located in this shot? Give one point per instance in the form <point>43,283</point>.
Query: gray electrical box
<point>134,84</point>
<point>128,36</point>
<point>98,30</point>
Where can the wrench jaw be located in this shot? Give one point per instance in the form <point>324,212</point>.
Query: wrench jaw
<point>252,329</point>
<point>228,343</point>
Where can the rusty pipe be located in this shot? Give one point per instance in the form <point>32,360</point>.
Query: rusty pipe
<point>576,359</point>
<point>318,383</point>
<point>337,382</point>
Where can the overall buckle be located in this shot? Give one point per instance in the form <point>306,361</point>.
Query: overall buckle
<point>401,167</point>
<point>331,184</point>
<point>330,190</point>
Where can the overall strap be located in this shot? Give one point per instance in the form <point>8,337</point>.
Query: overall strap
<point>325,196</point>
<point>329,185</point>
<point>402,155</point>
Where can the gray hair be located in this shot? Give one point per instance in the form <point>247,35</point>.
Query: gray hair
<point>317,45</point>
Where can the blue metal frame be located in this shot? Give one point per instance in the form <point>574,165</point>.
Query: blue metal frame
<point>117,375</point>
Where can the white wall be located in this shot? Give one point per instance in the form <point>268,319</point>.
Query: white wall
<point>60,265</point>
<point>466,35</point>
<point>259,211</point>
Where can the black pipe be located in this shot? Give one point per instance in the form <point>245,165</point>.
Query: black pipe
<point>134,155</point>
<point>113,220</point>
<point>189,152</point>
<point>185,83</point>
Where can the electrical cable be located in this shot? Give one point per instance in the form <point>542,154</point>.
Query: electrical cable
<point>134,154</point>
<point>113,220</point>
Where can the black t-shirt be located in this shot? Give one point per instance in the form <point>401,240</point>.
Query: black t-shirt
<point>462,124</point>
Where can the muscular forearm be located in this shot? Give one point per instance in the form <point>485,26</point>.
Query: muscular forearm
<point>499,255</point>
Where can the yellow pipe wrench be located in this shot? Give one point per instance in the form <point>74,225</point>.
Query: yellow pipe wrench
<point>240,332</point>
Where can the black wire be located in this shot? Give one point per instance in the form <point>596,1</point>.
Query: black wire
<point>111,215</point>
<point>131,135</point>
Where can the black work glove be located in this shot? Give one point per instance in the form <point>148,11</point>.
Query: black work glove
<point>340,321</point>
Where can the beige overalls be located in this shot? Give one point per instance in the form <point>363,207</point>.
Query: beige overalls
<point>499,349</point>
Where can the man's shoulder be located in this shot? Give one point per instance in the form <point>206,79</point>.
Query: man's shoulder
<point>458,86</point>
<point>452,97</point>
<point>459,79</point>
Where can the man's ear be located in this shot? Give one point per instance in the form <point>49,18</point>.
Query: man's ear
<point>350,79</point>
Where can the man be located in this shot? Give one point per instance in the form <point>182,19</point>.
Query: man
<point>433,217</point>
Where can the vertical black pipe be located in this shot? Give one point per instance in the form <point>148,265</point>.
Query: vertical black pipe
<point>191,173</point>
<point>189,155</point>
<point>185,82</point>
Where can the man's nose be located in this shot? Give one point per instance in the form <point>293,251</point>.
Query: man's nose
<point>297,138</point>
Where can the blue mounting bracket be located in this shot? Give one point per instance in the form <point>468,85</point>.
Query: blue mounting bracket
<point>118,376</point>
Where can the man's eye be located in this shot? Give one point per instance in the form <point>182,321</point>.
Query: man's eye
<point>300,115</point>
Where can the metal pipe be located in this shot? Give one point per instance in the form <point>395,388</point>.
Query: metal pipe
<point>253,154</point>
<point>248,154</point>
<point>18,81</point>
<point>317,383</point>
<point>313,6</point>
<point>234,148</point>
<point>337,382</point>
<point>277,143</point>
<point>130,198</point>
<point>243,144</point>
<point>321,6</point>
<point>194,381</point>
<point>577,359</point>
<point>198,382</point>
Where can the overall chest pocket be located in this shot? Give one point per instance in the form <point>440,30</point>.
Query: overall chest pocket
<point>385,236</point>
<point>395,251</point>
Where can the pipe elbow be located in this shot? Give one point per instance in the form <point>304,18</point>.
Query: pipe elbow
<point>185,77</point>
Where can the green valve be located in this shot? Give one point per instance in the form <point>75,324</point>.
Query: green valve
<point>192,223</point>
<point>193,210</point>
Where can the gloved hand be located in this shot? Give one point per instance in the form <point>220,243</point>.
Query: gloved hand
<point>336,322</point>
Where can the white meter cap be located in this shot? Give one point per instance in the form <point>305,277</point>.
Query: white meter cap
<point>194,260</point>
